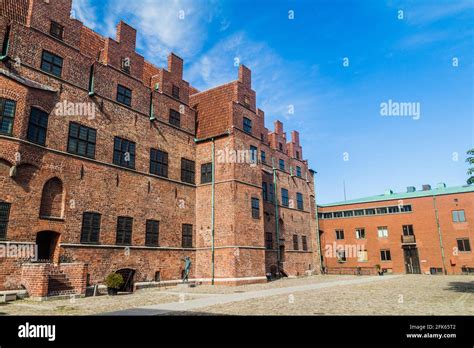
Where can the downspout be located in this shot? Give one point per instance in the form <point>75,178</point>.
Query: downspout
<point>213,182</point>
<point>277,227</point>
<point>91,81</point>
<point>439,235</point>
<point>320,256</point>
<point>212,209</point>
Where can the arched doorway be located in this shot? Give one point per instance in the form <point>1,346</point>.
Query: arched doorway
<point>47,242</point>
<point>127,275</point>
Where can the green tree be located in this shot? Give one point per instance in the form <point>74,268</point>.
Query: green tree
<point>470,171</point>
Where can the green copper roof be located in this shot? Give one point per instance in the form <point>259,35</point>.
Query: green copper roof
<point>405,195</point>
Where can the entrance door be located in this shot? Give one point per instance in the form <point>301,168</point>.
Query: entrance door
<point>127,275</point>
<point>46,242</point>
<point>412,262</point>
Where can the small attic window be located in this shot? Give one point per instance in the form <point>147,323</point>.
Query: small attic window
<point>125,65</point>
<point>175,92</point>
<point>56,30</point>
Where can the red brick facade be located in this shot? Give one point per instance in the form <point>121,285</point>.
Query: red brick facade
<point>385,231</point>
<point>47,187</point>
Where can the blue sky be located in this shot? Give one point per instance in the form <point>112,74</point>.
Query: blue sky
<point>401,56</point>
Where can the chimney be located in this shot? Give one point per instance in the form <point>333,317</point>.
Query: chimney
<point>245,76</point>
<point>295,137</point>
<point>426,187</point>
<point>175,65</point>
<point>411,189</point>
<point>278,127</point>
<point>126,35</point>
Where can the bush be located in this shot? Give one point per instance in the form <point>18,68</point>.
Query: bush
<point>114,281</point>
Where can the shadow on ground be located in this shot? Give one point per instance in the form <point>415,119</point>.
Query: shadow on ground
<point>461,287</point>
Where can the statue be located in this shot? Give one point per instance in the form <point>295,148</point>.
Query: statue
<point>187,269</point>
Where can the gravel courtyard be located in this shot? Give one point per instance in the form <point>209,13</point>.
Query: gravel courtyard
<point>404,295</point>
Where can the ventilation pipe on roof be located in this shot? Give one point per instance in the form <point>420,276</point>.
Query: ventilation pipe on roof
<point>426,187</point>
<point>388,192</point>
<point>411,189</point>
<point>441,185</point>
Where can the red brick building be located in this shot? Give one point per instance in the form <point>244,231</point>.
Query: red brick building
<point>428,231</point>
<point>113,164</point>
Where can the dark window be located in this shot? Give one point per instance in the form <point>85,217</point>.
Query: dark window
<point>282,164</point>
<point>7,113</point>
<point>187,236</point>
<point>459,216</point>
<point>206,173</point>
<point>124,230</point>
<point>359,212</point>
<point>348,213</point>
<point>271,193</point>
<point>381,210</point>
<point>284,197</point>
<point>159,162</point>
<point>51,63</point>
<point>152,233</point>
<point>247,125</point>
<point>369,211</point>
<point>157,276</point>
<point>124,95</point>
<point>299,201</point>
<point>187,170</point>
<point>280,146</point>
<point>265,191</point>
<point>338,214</point>
<point>82,140</point>
<point>37,126</point>
<point>341,255</point>
<point>175,118</point>
<point>268,240</point>
<point>385,255</point>
<point>393,210</point>
<point>295,242</point>
<point>175,92</point>
<point>304,242</point>
<point>253,154</point>
<point>4,216</point>
<point>297,154</point>
<point>298,171</point>
<point>405,208</point>
<point>255,208</point>
<point>464,245</point>
<point>408,230</point>
<point>339,234</point>
<point>90,228</point>
<point>360,233</point>
<point>328,215</point>
<point>263,157</point>
<point>56,30</point>
<point>124,152</point>
<point>126,65</point>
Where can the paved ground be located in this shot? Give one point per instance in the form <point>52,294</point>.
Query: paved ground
<point>318,295</point>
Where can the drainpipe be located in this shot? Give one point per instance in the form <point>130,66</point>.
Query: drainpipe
<point>152,116</point>
<point>277,227</point>
<point>213,208</point>
<point>320,257</point>
<point>439,235</point>
<point>213,182</point>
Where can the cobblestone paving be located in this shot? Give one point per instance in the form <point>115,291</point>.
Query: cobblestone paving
<point>407,295</point>
<point>92,305</point>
